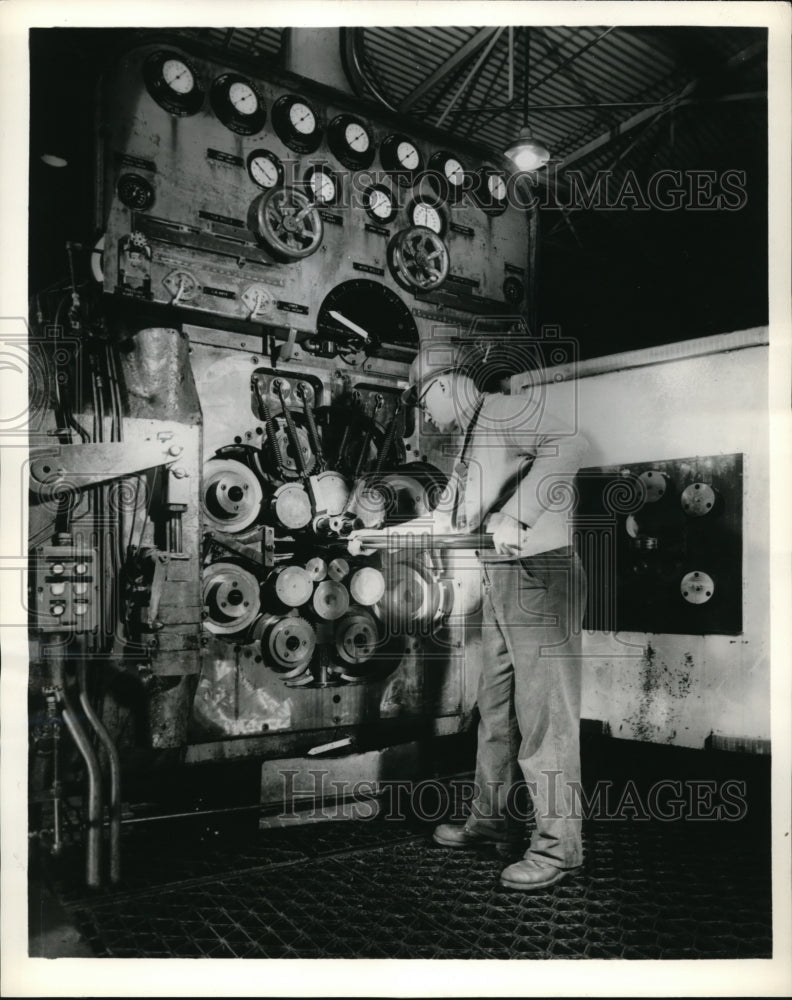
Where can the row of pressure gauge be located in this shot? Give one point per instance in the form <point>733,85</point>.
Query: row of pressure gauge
<point>237,102</point>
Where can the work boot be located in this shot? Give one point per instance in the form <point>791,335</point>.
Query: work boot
<point>459,836</point>
<point>531,874</point>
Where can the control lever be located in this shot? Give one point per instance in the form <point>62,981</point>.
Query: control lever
<point>272,430</point>
<point>378,402</point>
<point>294,441</point>
<point>313,433</point>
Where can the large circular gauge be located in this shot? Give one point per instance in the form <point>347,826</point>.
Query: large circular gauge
<point>173,83</point>
<point>427,213</point>
<point>447,175</point>
<point>296,123</point>
<point>351,142</point>
<point>321,185</point>
<point>265,169</point>
<point>380,204</point>
<point>135,191</point>
<point>370,306</point>
<point>491,192</point>
<point>400,155</point>
<point>238,104</point>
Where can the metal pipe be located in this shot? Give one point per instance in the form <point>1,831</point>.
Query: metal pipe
<point>431,541</point>
<point>93,854</point>
<point>115,771</point>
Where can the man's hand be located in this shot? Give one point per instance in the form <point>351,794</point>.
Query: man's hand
<point>509,536</point>
<point>354,546</point>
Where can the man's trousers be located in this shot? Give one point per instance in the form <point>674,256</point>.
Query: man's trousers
<point>529,702</point>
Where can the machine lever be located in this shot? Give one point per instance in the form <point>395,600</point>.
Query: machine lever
<point>294,441</point>
<point>313,433</point>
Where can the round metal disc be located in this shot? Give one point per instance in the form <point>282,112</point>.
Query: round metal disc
<point>231,494</point>
<point>231,596</point>
<point>290,642</point>
<point>356,636</point>
<point>338,570</point>
<point>331,600</point>
<point>292,506</point>
<point>410,597</point>
<point>655,483</point>
<point>332,492</point>
<point>293,586</point>
<point>367,586</point>
<point>316,569</point>
<point>697,587</point>
<point>698,499</point>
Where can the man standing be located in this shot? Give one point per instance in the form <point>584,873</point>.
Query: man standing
<point>514,480</point>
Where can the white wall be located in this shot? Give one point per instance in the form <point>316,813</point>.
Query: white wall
<point>675,688</point>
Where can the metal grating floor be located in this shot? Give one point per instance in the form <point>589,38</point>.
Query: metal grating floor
<point>377,889</point>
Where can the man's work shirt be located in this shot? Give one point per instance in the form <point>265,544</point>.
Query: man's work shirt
<point>521,459</point>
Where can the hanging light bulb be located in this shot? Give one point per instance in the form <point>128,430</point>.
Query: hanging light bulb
<point>526,152</point>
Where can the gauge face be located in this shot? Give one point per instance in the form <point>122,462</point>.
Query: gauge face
<point>178,76</point>
<point>491,192</point>
<point>379,204</point>
<point>351,141</point>
<point>513,290</point>
<point>135,191</point>
<point>400,155</point>
<point>173,83</point>
<point>238,104</point>
<point>497,187</point>
<point>302,118</point>
<point>408,156</point>
<point>356,137</point>
<point>321,185</point>
<point>447,176</point>
<point>296,123</point>
<point>243,98</point>
<point>265,169</point>
<point>429,216</point>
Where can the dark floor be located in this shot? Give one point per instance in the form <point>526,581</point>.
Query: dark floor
<point>222,888</point>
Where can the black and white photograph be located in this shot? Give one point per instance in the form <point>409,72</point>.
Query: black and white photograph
<point>395,490</point>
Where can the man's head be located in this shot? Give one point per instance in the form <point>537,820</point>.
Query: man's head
<point>440,385</point>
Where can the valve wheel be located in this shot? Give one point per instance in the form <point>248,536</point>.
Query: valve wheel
<point>418,258</point>
<point>288,223</point>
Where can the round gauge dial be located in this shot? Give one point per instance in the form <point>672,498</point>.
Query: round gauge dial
<point>448,175</point>
<point>351,142</point>
<point>378,202</point>
<point>135,191</point>
<point>238,104</point>
<point>265,169</point>
<point>424,214</point>
<point>491,192</point>
<point>321,185</point>
<point>296,123</point>
<point>400,155</point>
<point>513,290</point>
<point>173,83</point>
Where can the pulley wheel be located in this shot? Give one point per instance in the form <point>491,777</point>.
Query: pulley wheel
<point>367,586</point>
<point>316,569</point>
<point>331,600</point>
<point>338,570</point>
<point>290,468</point>
<point>288,643</point>
<point>288,223</point>
<point>411,596</point>
<point>331,492</point>
<point>231,597</point>
<point>291,506</point>
<point>418,258</point>
<point>356,636</point>
<point>293,586</point>
<point>231,494</point>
